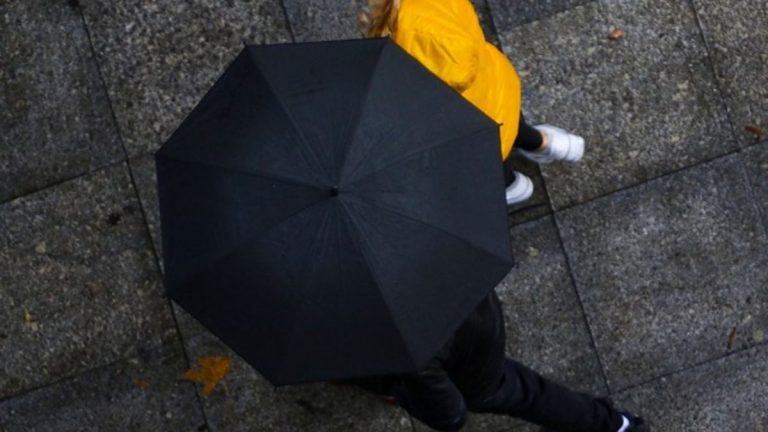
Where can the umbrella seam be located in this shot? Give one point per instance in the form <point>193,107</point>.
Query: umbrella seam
<point>240,171</point>
<point>427,224</point>
<point>303,139</point>
<point>245,241</point>
<point>360,112</point>
<point>363,251</point>
<point>320,234</point>
<point>425,149</point>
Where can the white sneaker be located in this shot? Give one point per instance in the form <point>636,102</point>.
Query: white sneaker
<point>520,190</point>
<point>563,146</point>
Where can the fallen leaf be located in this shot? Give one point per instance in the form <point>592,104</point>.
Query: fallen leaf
<point>140,383</point>
<point>758,336</point>
<point>616,34</point>
<point>759,133</point>
<point>532,251</point>
<point>212,370</point>
<point>30,321</point>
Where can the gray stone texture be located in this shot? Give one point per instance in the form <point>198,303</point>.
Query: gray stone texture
<point>145,176</point>
<point>725,395</point>
<point>55,120</point>
<point>160,57</point>
<point>756,161</point>
<point>79,286</point>
<point>647,104</point>
<point>546,329</point>
<point>137,394</point>
<point>316,20</point>
<point>513,13</point>
<point>737,35</point>
<point>672,272</point>
<point>244,399</point>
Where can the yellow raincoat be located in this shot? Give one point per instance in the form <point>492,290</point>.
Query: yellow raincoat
<point>446,37</point>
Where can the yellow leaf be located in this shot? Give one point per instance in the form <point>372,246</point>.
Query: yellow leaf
<point>212,370</point>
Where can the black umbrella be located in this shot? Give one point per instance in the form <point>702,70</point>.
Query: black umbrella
<point>332,210</point>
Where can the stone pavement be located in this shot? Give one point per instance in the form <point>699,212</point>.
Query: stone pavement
<point>642,272</point>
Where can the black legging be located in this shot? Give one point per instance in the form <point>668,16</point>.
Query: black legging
<point>528,138</point>
<point>471,373</point>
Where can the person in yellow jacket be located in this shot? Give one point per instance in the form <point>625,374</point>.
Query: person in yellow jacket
<point>472,373</point>
<point>446,37</point>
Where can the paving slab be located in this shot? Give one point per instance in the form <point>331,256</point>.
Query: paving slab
<point>244,399</point>
<point>737,36</point>
<point>145,176</point>
<point>160,57</point>
<point>137,394</point>
<point>756,160</point>
<point>54,114</point>
<point>546,328</point>
<point>672,272</point>
<point>318,20</point>
<point>513,13</point>
<point>647,104</point>
<point>80,287</point>
<point>725,395</point>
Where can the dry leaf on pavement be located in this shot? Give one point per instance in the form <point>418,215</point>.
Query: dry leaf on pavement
<point>616,34</point>
<point>212,370</point>
<point>140,383</point>
<point>759,133</point>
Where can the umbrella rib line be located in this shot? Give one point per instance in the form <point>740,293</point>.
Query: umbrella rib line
<point>407,156</point>
<point>303,139</point>
<point>361,110</point>
<point>246,240</point>
<point>306,298</point>
<point>279,178</point>
<point>424,223</point>
<point>373,269</point>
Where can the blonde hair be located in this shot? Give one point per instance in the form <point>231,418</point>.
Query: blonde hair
<point>378,18</point>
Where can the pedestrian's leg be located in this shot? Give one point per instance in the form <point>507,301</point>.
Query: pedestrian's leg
<point>531,397</point>
<point>509,173</point>
<point>528,137</point>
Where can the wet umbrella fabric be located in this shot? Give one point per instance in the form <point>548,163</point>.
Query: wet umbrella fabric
<point>332,210</point>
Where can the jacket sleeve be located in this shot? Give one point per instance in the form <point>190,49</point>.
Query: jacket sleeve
<point>452,57</point>
<point>432,398</point>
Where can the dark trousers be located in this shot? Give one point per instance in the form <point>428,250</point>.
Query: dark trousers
<point>528,138</point>
<point>472,374</point>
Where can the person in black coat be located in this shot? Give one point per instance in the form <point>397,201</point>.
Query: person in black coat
<point>471,373</point>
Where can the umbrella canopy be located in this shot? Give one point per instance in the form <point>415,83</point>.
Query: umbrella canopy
<point>332,210</point>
